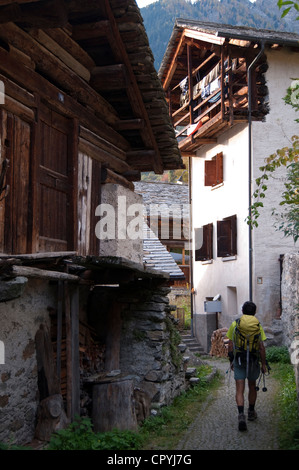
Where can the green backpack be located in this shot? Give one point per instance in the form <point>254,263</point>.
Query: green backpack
<point>246,340</point>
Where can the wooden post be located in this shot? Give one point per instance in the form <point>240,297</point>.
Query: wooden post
<point>68,351</point>
<point>113,406</point>
<point>59,329</point>
<point>75,351</point>
<point>74,154</point>
<point>190,82</point>
<point>113,338</point>
<point>230,89</point>
<point>222,82</point>
<point>72,350</point>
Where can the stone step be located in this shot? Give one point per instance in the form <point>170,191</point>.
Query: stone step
<point>191,343</point>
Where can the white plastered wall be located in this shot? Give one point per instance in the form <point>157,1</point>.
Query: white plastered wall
<point>230,278</point>
<point>268,136</point>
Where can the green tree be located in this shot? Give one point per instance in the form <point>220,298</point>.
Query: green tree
<point>289,6</point>
<point>287,219</point>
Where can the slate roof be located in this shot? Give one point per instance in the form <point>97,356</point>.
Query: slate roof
<point>157,257</point>
<point>227,31</point>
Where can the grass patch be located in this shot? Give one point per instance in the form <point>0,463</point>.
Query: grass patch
<point>161,432</point>
<point>286,400</point>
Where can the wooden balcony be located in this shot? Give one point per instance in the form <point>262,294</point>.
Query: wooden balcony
<point>204,109</point>
<point>205,79</point>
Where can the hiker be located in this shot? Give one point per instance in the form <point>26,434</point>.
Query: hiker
<point>244,360</point>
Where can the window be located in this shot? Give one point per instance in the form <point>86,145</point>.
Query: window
<point>227,236</point>
<point>204,243</point>
<point>214,170</point>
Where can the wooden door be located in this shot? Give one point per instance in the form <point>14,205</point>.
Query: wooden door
<point>55,183</point>
<point>15,139</point>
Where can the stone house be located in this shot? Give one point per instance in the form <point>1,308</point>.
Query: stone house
<point>82,114</point>
<point>225,87</point>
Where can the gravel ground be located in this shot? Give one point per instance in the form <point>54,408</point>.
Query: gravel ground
<point>216,426</point>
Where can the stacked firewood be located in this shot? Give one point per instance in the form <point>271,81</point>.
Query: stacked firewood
<point>92,353</point>
<point>219,343</point>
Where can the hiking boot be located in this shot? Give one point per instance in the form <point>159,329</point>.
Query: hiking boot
<point>242,422</point>
<point>252,415</point>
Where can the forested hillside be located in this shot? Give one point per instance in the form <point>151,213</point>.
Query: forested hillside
<point>159,17</point>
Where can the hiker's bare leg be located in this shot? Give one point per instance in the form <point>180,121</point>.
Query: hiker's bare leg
<point>252,394</point>
<point>240,387</point>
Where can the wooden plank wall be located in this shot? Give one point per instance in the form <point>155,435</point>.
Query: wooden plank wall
<point>50,208</point>
<point>14,214</point>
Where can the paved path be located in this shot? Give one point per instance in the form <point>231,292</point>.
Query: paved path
<point>216,426</point>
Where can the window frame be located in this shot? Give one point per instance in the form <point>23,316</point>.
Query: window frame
<point>205,252</point>
<point>227,237</point>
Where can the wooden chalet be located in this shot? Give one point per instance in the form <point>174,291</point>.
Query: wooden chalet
<point>83,106</point>
<point>82,112</point>
<point>212,80</point>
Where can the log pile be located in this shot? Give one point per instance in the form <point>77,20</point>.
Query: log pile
<point>92,353</point>
<point>219,343</point>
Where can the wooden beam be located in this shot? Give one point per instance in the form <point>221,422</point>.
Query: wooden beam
<point>173,64</point>
<point>44,14</point>
<point>133,90</point>
<point>17,108</point>
<point>57,70</point>
<point>8,2</point>
<point>102,156</point>
<point>28,271</point>
<point>109,176</point>
<point>133,175</point>
<point>129,124</point>
<point>102,143</point>
<point>71,46</point>
<point>42,38</point>
<point>60,101</point>
<point>94,30</point>
<point>140,158</point>
<point>110,77</point>
<point>205,37</point>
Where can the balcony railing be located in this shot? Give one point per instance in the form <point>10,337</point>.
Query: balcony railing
<point>200,108</point>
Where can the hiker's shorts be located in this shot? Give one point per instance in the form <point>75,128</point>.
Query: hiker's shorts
<point>240,371</point>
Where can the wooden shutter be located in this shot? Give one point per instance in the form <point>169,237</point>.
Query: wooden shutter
<point>205,252</point>
<point>214,170</point>
<point>227,237</point>
<point>210,172</point>
<point>219,168</point>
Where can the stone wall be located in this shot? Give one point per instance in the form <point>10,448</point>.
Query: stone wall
<point>20,319</point>
<point>290,297</point>
<point>144,343</point>
<point>150,347</point>
<point>120,226</point>
<point>290,308</point>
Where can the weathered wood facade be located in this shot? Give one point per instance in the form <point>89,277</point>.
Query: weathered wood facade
<point>82,106</point>
<point>83,114</point>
